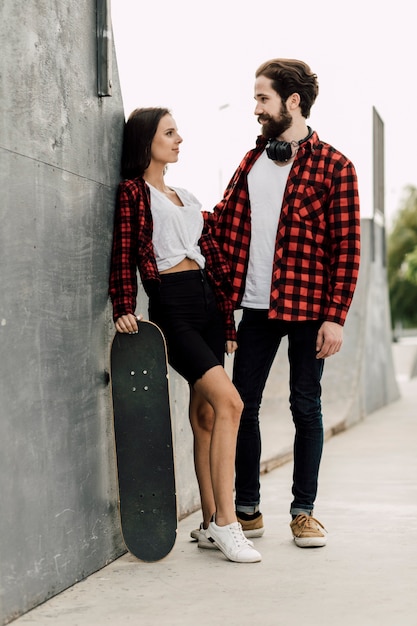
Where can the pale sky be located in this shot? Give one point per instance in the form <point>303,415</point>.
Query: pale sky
<point>199,60</point>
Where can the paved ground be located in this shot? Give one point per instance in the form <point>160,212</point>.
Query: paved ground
<point>366,575</point>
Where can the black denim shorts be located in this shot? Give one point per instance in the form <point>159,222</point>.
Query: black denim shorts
<point>185,309</point>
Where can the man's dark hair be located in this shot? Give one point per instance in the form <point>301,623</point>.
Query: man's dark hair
<point>138,134</point>
<point>290,76</point>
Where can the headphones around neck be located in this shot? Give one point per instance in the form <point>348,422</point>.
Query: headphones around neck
<point>281,151</point>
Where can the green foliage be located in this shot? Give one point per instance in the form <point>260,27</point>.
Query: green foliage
<point>411,266</point>
<point>402,263</point>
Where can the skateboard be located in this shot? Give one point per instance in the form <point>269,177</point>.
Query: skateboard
<point>144,444</point>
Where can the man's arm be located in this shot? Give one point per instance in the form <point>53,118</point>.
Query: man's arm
<point>344,232</point>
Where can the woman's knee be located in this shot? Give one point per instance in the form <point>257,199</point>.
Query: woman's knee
<point>232,405</point>
<point>238,405</point>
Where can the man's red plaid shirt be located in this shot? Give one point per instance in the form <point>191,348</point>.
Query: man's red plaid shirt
<point>316,260</point>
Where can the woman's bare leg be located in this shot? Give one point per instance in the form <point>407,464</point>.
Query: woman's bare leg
<point>216,388</point>
<point>202,422</point>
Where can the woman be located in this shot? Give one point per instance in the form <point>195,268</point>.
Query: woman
<point>157,229</point>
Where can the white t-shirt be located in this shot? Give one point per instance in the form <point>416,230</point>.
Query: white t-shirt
<point>266,183</point>
<point>176,229</point>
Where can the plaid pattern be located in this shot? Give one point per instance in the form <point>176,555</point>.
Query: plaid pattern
<point>133,248</point>
<point>316,262</point>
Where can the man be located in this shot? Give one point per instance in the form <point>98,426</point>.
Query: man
<point>288,227</point>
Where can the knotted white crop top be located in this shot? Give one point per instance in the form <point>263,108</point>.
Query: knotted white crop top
<point>176,229</point>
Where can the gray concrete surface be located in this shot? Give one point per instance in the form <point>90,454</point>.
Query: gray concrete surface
<point>366,575</point>
<point>59,167</point>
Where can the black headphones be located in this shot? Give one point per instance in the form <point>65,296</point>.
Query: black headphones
<point>281,151</point>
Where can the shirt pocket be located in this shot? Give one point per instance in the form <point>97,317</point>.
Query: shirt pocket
<point>311,214</point>
<point>312,204</point>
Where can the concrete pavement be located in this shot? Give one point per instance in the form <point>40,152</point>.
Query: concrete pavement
<point>366,575</point>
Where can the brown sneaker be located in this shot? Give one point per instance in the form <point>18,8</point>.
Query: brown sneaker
<point>308,532</point>
<point>252,528</point>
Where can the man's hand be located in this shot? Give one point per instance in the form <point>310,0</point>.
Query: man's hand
<point>231,346</point>
<point>127,324</point>
<point>329,339</point>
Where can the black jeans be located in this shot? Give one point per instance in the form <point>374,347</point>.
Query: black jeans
<point>258,341</point>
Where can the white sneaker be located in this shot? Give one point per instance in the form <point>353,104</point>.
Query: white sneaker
<point>196,533</point>
<point>200,535</point>
<point>232,542</point>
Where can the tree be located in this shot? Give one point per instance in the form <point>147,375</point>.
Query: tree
<point>410,263</point>
<point>402,263</point>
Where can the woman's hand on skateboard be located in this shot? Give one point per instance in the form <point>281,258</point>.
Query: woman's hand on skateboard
<point>127,323</point>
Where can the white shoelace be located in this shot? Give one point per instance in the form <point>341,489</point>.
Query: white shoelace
<point>238,536</point>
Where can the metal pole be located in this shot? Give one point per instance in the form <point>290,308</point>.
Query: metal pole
<point>104,48</point>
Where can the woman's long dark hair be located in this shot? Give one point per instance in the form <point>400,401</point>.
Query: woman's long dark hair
<point>138,134</point>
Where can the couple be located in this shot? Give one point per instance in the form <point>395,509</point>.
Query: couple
<point>282,245</point>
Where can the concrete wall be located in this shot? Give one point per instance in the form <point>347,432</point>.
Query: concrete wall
<point>59,147</point>
<point>378,376</point>
<point>60,151</point>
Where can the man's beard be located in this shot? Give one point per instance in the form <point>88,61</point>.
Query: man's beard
<point>275,128</point>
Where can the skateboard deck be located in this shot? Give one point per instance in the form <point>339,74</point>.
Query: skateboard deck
<point>144,446</point>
